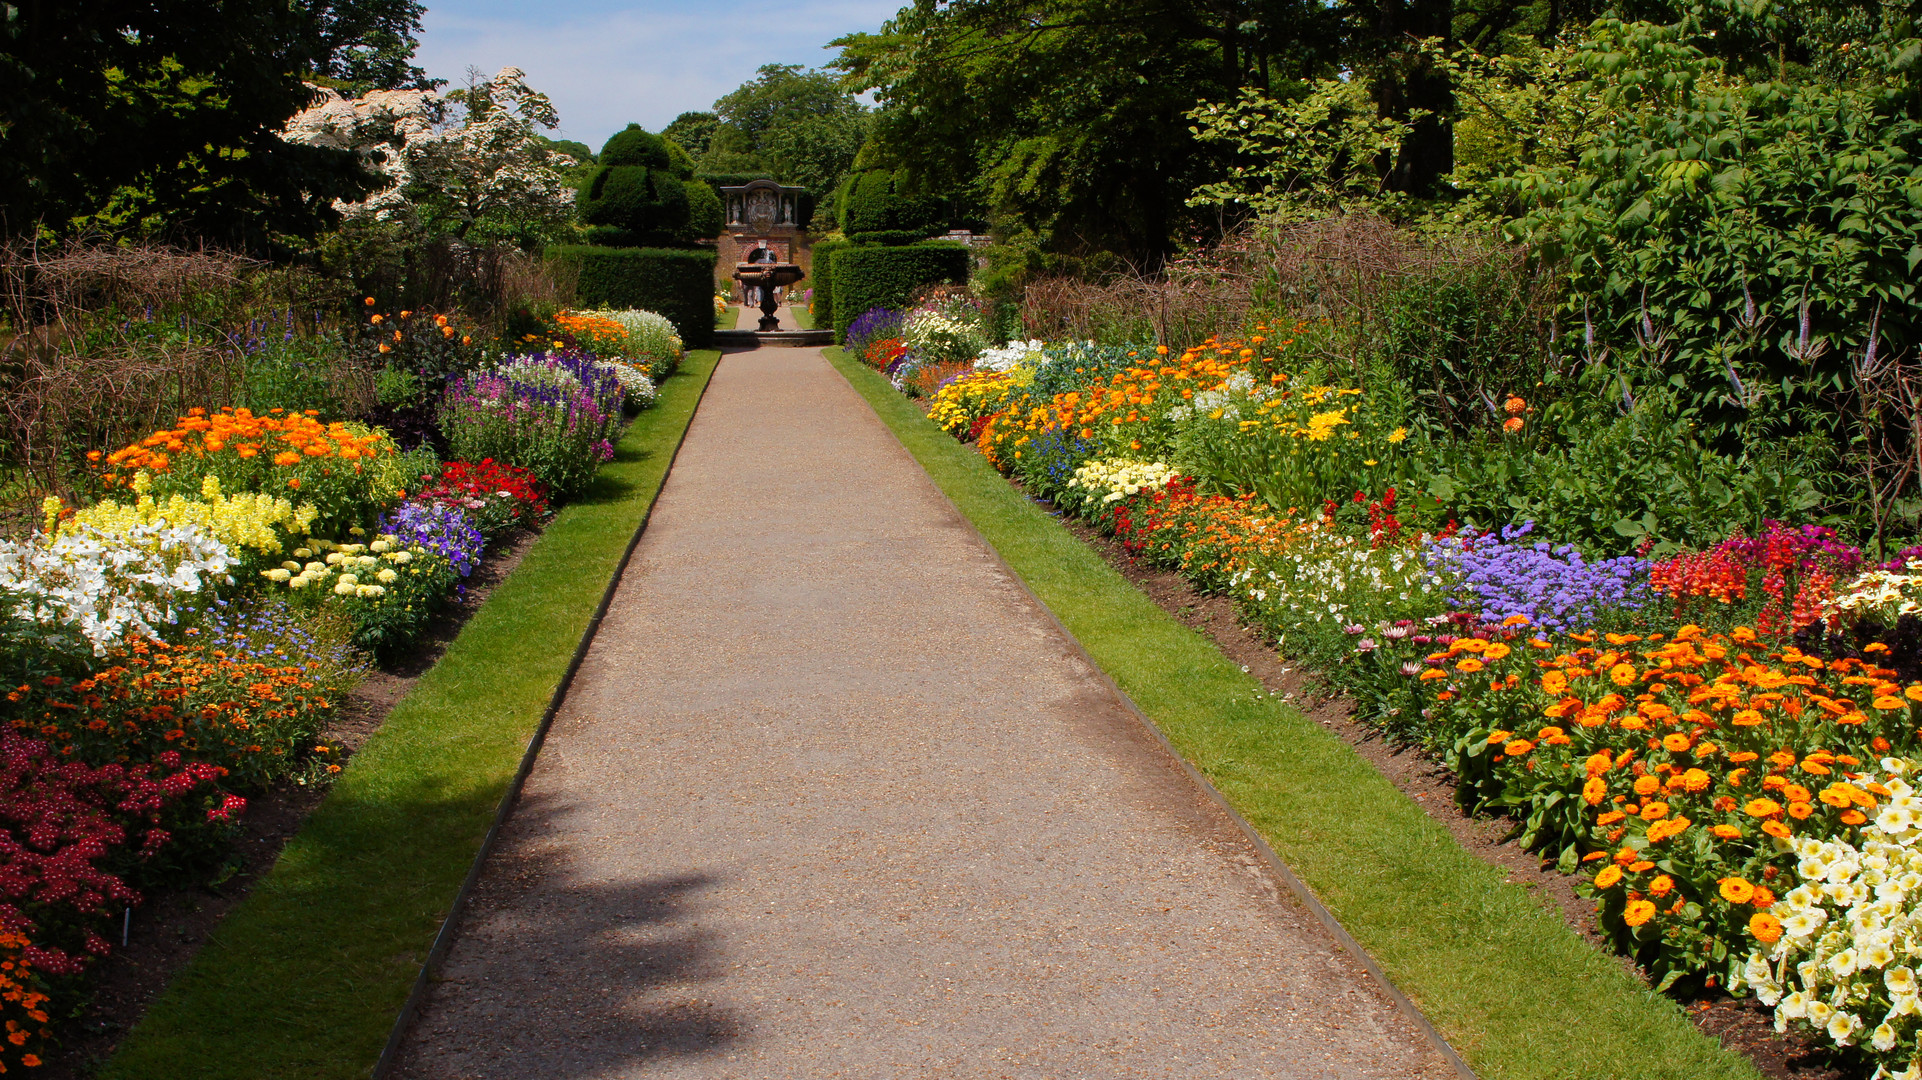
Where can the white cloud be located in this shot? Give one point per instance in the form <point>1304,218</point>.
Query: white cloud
<point>647,65</point>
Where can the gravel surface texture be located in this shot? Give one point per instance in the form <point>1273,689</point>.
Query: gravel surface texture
<point>832,797</point>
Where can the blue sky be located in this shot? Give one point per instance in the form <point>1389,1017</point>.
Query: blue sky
<point>608,62</point>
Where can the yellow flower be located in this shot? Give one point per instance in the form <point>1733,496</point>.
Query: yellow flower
<point>1398,435</point>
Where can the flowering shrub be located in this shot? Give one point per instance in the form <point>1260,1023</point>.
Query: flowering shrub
<point>1008,357</point>
<point>439,528</point>
<point>872,325</point>
<point>326,466</point>
<point>943,334</point>
<point>103,585</point>
<point>268,630</point>
<point>1553,587</point>
<point>1109,480</point>
<point>62,822</point>
<point>22,1006</point>
<point>965,403</point>
<point>389,591</point>
<point>253,722</point>
<point>495,495</point>
<point>637,389</point>
<point>1836,955</point>
<point>650,340</point>
<point>249,525</point>
<point>543,417</point>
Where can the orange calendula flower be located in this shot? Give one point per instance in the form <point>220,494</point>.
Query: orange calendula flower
<point>1762,808</point>
<point>1518,747</point>
<point>1726,832</point>
<point>1622,674</point>
<point>1777,829</point>
<point>1675,743</point>
<point>1654,811</point>
<point>1595,790</point>
<point>1766,928</point>
<point>1736,890</point>
<point>1638,912</point>
<point>1610,876</point>
<point>1661,886</point>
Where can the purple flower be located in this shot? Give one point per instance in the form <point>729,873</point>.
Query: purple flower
<point>1555,588</point>
<point>439,528</point>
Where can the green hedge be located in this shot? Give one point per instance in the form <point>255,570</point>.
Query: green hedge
<point>881,207</point>
<point>888,277</point>
<point>821,279</point>
<point>676,284</point>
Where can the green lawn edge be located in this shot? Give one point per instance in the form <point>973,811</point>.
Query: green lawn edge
<point>803,316</point>
<point>305,977</point>
<point>1512,988</point>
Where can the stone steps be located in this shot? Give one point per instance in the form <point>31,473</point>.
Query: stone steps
<point>791,339</point>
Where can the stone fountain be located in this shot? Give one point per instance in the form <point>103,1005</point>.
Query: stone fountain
<point>768,276</point>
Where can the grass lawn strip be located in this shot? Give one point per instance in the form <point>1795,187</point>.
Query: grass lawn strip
<point>306,976</point>
<point>1513,989</point>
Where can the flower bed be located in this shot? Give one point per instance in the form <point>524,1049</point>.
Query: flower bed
<point>1713,741</point>
<point>183,641</point>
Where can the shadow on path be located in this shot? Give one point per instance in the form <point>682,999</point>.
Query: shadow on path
<point>572,978</point>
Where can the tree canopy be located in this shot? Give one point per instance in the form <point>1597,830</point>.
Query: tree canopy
<point>798,125</point>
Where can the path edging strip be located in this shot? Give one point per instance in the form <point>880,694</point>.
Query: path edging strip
<point>444,938</point>
<point>1276,867</point>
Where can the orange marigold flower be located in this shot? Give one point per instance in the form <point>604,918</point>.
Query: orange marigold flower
<point>1762,808</point>
<point>1595,790</point>
<point>1736,890</point>
<point>1647,785</point>
<point>1853,817</point>
<point>1638,912</point>
<point>1512,424</point>
<point>1609,877</point>
<point>1726,832</point>
<point>1801,810</point>
<point>1766,928</point>
<point>1777,829</point>
<point>1675,742</point>
<point>1518,747</point>
<point>1654,811</point>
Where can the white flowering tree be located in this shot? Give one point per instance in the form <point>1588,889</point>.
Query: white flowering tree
<point>469,163</point>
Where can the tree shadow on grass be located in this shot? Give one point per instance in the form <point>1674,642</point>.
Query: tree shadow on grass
<point>557,975</point>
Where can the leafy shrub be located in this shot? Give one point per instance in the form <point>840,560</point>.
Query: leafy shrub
<point>678,284</point>
<point>890,277</point>
<point>649,340</point>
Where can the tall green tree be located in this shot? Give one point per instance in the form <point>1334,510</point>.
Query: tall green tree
<point>1067,119</point>
<point>799,125</point>
<point>362,45</point>
<point>693,132</point>
<point>161,117</point>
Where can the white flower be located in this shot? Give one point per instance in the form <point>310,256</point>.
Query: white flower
<point>386,576</point>
<point>276,574</point>
<point>344,588</point>
<point>1883,1037</point>
<point>368,592</point>
<point>349,579</point>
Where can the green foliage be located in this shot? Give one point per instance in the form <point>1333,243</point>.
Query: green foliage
<point>1743,242</point>
<point>678,284</point>
<point>1609,479</point>
<point>868,277</point>
<point>362,45</point>
<point>706,215</point>
<point>1325,151</point>
<point>884,207</point>
<point>638,197</point>
<point>162,118</point>
<point>796,125</point>
<point>1458,337</point>
<point>693,132</point>
<point>821,280</point>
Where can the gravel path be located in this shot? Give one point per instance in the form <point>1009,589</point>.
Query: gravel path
<point>831,797</point>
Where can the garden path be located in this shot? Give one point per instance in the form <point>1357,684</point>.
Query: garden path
<point>832,796</point>
<point>749,318</point>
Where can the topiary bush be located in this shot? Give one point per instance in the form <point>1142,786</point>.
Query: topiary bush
<point>678,284</point>
<point>639,194</point>
<point>880,207</point>
<point>706,216</point>
<point>867,276</point>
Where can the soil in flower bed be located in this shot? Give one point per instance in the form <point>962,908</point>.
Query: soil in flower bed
<point>1742,1025</point>
<point>170,928</point>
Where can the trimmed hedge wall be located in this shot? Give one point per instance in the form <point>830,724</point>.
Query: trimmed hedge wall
<point>888,277</point>
<point>676,284</point>
<point>821,279</point>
